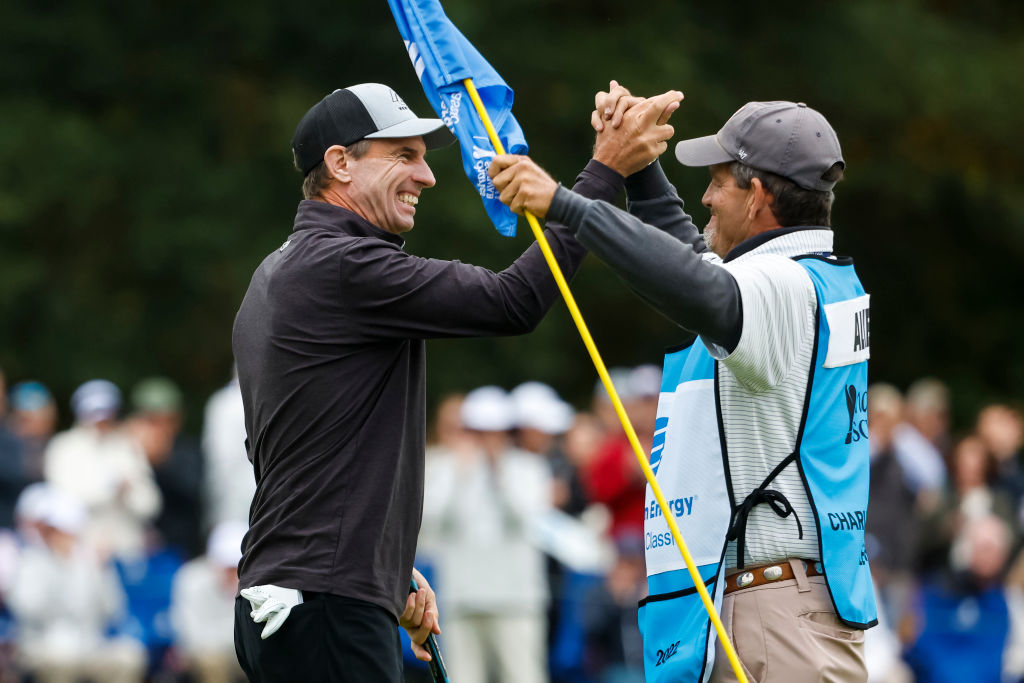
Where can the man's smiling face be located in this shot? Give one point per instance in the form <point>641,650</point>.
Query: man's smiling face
<point>729,204</point>
<point>387,181</point>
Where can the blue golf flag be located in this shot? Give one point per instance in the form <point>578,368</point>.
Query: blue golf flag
<point>443,58</point>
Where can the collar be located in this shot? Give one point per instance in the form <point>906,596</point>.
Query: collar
<point>314,214</point>
<point>788,242</point>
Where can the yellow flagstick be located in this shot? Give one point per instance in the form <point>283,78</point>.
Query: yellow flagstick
<point>588,341</point>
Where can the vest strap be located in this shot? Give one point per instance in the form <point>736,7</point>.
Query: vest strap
<point>779,504</point>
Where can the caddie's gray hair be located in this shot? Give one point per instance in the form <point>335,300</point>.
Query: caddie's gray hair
<point>317,180</point>
<point>792,205</point>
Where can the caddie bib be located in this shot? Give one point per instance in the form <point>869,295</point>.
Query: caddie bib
<point>690,459</point>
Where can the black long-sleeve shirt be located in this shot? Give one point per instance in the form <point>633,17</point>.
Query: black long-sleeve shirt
<point>658,251</point>
<point>329,343</point>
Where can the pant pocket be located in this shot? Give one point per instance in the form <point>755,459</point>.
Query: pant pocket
<point>832,649</point>
<point>828,624</point>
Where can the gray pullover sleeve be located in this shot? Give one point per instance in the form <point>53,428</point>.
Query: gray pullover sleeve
<point>657,250</point>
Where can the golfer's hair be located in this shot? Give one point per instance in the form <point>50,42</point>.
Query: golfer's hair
<point>317,180</point>
<point>791,204</point>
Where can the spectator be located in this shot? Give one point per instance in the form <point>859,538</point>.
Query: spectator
<point>614,643</point>
<point>64,598</point>
<point>1013,655</point>
<point>963,617</point>
<point>447,432</point>
<point>541,419</point>
<point>14,474</point>
<point>973,471</point>
<point>203,607</point>
<point>614,477</point>
<point>928,411</point>
<point>920,442</point>
<point>479,504</point>
<point>970,497</point>
<point>601,405</point>
<point>892,526</point>
<point>1001,429</point>
<point>230,482</point>
<point>103,468</point>
<point>34,421</point>
<point>30,512</point>
<point>582,442</point>
<point>176,461</point>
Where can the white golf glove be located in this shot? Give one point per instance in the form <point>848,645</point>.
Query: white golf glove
<point>271,605</point>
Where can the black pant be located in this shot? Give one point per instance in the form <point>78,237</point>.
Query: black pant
<point>326,638</point>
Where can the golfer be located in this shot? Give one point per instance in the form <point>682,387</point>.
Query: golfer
<point>329,342</point>
<point>761,440</point>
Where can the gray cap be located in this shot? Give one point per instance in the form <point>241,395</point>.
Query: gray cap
<point>786,138</point>
<point>367,110</point>
<point>95,401</point>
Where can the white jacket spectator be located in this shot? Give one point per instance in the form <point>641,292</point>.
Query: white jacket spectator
<point>230,483</point>
<point>106,470</point>
<point>203,606</point>
<point>492,587</point>
<point>64,598</point>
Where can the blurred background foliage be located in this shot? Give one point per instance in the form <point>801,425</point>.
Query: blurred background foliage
<point>145,169</point>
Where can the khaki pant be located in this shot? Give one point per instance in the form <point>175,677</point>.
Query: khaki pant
<point>788,632</point>
<point>509,648</point>
<point>119,660</point>
<point>216,667</point>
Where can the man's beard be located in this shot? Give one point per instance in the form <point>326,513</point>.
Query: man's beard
<point>709,237</point>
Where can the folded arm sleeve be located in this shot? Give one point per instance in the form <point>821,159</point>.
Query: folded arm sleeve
<point>665,267</point>
<point>395,294</point>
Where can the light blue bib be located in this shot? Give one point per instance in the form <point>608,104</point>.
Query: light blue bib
<point>688,459</point>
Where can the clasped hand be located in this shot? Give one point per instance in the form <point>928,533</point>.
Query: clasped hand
<point>631,133</point>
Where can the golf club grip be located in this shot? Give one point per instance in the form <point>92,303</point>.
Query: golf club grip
<point>438,672</point>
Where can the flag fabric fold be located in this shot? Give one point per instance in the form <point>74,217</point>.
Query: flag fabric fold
<point>443,58</point>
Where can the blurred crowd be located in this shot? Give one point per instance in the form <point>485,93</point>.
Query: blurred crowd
<point>537,587</point>
<point>533,532</point>
<point>120,536</point>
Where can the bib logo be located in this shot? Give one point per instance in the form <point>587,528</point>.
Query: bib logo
<point>483,156</point>
<point>857,407</point>
<point>678,506</point>
<point>398,100</point>
<point>416,57</point>
<point>658,445</point>
<point>668,653</point>
<point>450,110</point>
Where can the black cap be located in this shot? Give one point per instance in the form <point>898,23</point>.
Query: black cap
<point>367,110</point>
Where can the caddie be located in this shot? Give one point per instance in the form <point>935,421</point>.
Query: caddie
<point>760,443</point>
<point>329,343</point>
